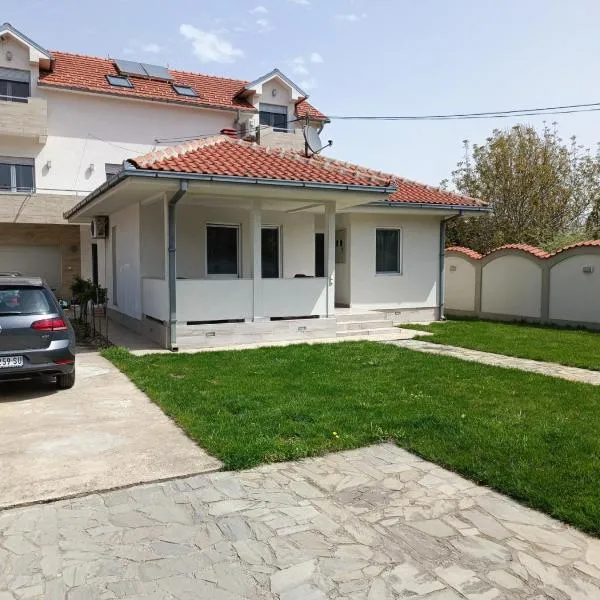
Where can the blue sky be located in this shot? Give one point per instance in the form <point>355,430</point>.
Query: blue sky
<point>363,57</point>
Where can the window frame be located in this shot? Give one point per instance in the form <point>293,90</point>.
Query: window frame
<point>180,86</point>
<point>15,76</point>
<point>238,228</point>
<point>13,163</point>
<point>400,257</point>
<point>272,110</point>
<point>277,228</point>
<point>127,83</point>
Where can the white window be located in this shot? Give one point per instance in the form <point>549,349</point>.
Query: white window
<point>223,251</point>
<point>388,258</point>
<point>17,175</point>
<point>270,253</point>
<point>274,116</point>
<point>14,85</point>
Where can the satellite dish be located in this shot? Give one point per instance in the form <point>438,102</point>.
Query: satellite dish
<point>314,145</point>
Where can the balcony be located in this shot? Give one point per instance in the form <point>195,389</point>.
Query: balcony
<point>24,119</point>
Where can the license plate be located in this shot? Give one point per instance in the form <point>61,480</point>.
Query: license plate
<point>8,362</point>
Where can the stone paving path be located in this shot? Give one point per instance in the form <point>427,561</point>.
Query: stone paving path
<point>500,360</point>
<point>371,524</point>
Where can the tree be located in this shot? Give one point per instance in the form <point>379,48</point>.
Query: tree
<point>540,190</point>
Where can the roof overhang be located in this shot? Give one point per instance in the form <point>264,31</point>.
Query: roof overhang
<point>462,209</point>
<point>256,86</point>
<point>37,54</point>
<point>132,186</point>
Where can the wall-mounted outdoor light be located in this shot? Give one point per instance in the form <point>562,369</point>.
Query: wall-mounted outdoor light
<point>587,269</point>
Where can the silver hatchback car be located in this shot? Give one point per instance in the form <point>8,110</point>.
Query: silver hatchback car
<point>36,338</point>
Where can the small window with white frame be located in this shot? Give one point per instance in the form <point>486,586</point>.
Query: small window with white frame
<point>273,115</point>
<point>223,251</point>
<point>14,85</point>
<point>388,251</point>
<point>17,175</point>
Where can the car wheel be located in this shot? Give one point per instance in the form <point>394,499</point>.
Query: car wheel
<point>66,381</point>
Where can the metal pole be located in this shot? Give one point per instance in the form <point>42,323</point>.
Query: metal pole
<point>172,225</point>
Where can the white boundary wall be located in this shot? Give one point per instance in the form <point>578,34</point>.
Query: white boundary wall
<point>514,284</point>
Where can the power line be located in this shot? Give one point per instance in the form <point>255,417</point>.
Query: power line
<point>520,112</point>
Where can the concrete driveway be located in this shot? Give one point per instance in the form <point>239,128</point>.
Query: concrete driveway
<point>102,434</point>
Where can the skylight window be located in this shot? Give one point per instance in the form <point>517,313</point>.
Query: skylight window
<point>119,81</point>
<point>184,90</point>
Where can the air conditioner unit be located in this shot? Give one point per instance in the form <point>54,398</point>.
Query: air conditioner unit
<point>99,228</point>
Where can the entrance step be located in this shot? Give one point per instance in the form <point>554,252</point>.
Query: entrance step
<point>359,325</point>
<point>387,333</point>
<point>354,317</point>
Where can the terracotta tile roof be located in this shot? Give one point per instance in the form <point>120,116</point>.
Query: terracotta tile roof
<point>223,155</point>
<point>537,252</point>
<point>589,243</point>
<point>467,251</point>
<point>413,192</point>
<point>87,73</point>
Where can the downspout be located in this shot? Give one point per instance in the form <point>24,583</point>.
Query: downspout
<point>443,224</point>
<point>172,213</point>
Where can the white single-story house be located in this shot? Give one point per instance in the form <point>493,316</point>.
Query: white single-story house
<point>223,240</point>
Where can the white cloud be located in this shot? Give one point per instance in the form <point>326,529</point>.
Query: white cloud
<point>315,57</point>
<point>209,47</point>
<point>152,48</point>
<point>304,2</point>
<point>258,9</point>
<point>308,84</point>
<point>136,48</point>
<point>351,18</point>
<point>263,25</point>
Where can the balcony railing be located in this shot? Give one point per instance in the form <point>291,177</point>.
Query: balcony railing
<point>24,117</point>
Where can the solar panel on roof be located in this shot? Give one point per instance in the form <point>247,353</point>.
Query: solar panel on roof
<point>157,72</point>
<point>128,67</point>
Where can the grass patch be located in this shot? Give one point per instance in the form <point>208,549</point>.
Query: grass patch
<point>571,347</point>
<point>533,437</point>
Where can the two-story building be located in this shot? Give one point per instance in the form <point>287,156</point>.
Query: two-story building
<point>67,122</point>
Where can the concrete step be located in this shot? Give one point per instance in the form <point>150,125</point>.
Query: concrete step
<point>367,316</point>
<point>360,325</point>
<point>390,331</point>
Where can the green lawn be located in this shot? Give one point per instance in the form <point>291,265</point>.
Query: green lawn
<point>533,437</point>
<point>572,347</point>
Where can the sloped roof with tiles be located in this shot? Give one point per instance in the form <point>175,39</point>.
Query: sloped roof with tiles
<point>223,155</point>
<point>88,74</point>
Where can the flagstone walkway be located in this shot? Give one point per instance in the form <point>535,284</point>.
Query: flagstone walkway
<point>500,360</point>
<point>371,524</point>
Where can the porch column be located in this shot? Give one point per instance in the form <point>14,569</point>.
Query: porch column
<point>256,252</point>
<point>330,257</point>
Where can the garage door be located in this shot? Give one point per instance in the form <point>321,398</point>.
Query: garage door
<point>42,261</point>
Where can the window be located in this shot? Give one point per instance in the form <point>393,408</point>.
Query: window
<point>387,251</point>
<point>274,116</point>
<point>222,250</point>
<point>16,175</point>
<point>111,170</point>
<point>270,252</point>
<point>119,81</point>
<point>184,90</point>
<point>25,301</point>
<point>14,85</point>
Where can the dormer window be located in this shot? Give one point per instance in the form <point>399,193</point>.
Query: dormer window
<point>184,90</point>
<point>274,116</point>
<point>119,81</point>
<point>14,85</point>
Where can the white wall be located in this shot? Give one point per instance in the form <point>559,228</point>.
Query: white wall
<point>459,276</point>
<point>152,242</point>
<point>84,129</point>
<point>128,301</point>
<point>342,270</point>
<point>575,295</point>
<point>416,286</point>
<point>297,239</point>
<point>511,285</point>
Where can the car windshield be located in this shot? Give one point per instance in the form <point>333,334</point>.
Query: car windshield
<point>24,301</point>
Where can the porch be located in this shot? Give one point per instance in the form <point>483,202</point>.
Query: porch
<point>246,270</point>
